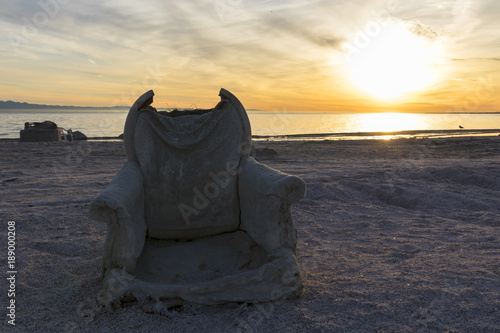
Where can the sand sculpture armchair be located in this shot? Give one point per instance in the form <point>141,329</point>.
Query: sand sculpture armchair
<point>192,216</point>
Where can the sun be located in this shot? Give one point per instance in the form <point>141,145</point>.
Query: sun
<point>394,62</point>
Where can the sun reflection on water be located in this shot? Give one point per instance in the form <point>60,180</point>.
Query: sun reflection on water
<point>389,122</point>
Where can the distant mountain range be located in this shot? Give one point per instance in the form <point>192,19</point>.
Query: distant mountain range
<point>27,106</point>
<point>10,105</point>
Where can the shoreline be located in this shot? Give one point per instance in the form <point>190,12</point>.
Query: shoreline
<point>408,134</point>
<point>413,134</point>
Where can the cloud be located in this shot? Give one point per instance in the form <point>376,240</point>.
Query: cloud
<point>476,59</point>
<point>424,31</point>
<point>281,47</point>
<point>284,26</point>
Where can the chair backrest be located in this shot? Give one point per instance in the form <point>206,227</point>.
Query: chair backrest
<point>190,163</point>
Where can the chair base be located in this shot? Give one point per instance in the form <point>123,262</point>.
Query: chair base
<point>226,268</point>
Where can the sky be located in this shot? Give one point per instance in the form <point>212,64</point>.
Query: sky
<point>340,56</point>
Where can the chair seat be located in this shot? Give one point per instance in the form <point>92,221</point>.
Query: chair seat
<point>201,260</point>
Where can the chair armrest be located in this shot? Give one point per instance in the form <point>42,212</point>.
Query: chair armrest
<point>124,192</point>
<point>266,196</point>
<point>121,206</point>
<point>263,180</point>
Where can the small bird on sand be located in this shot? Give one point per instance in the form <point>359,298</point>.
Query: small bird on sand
<point>460,126</point>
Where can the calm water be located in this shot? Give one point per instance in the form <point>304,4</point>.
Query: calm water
<point>335,125</point>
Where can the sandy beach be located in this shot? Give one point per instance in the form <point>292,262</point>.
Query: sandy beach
<point>393,236</point>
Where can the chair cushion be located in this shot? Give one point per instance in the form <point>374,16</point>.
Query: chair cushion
<point>190,162</point>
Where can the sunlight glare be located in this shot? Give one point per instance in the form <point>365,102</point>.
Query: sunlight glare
<point>394,62</point>
<point>389,122</point>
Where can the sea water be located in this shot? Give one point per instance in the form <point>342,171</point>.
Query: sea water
<point>277,124</point>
